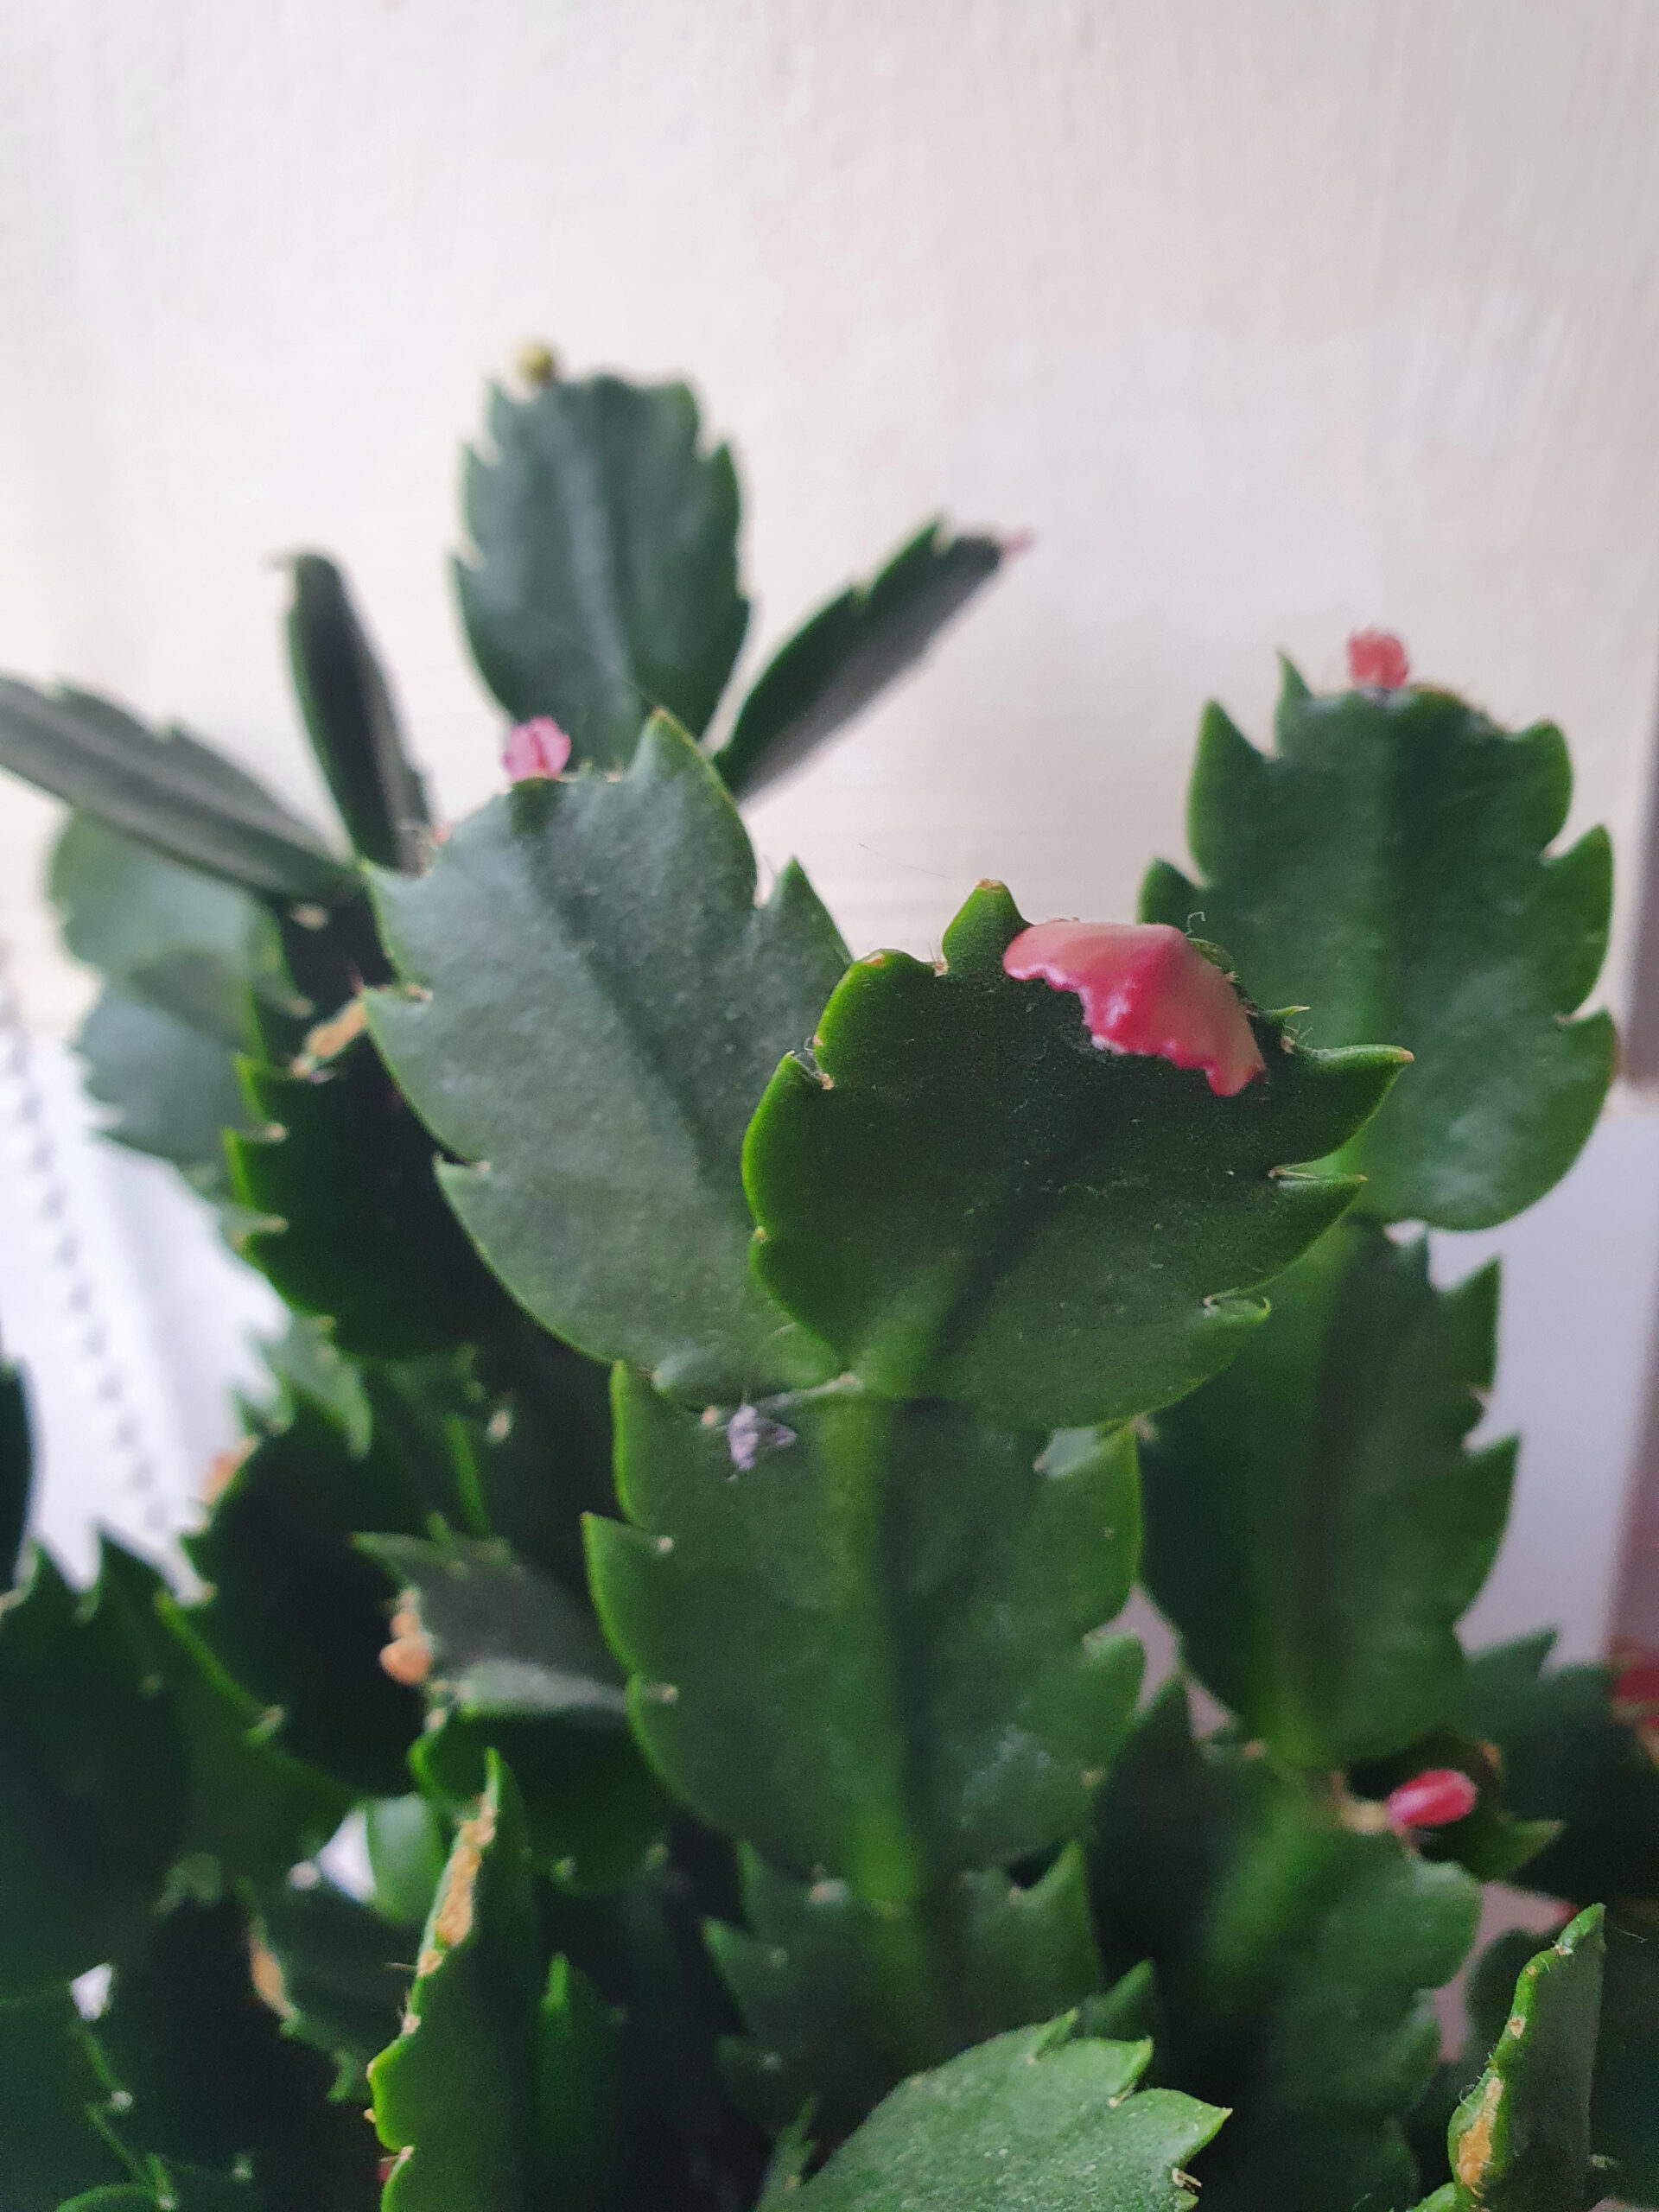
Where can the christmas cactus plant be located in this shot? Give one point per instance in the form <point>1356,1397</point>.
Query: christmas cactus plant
<point>732,1394</point>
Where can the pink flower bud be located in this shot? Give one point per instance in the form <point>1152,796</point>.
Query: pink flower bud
<point>537,747</point>
<point>1145,990</point>
<point>1376,657</point>
<point>1433,1800</point>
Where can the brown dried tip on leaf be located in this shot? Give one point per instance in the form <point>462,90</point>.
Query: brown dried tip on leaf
<point>408,1657</point>
<point>329,1039</point>
<point>453,1921</point>
<point>222,1470</point>
<point>266,1976</point>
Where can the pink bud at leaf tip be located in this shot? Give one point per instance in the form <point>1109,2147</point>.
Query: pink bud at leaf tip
<point>536,748</point>
<point>1433,1800</point>
<point>1147,990</point>
<point>1377,658</point>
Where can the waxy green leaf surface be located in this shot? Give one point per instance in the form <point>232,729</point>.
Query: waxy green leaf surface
<point>1295,1962</point>
<point>1387,868</point>
<point>351,720</point>
<point>599,1003</point>
<point>94,1778</point>
<point>166,789</point>
<point>1315,1525</point>
<point>1037,2119</point>
<point>603,579</point>
<point>841,660</point>
<point>1520,2140</point>
<point>967,1200</point>
<point>843,2000</point>
<point>875,1653</point>
<point>349,1221</point>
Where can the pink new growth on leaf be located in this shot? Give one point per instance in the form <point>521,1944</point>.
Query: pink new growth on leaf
<point>537,747</point>
<point>1376,657</point>
<point>1432,1800</point>
<point>1145,990</point>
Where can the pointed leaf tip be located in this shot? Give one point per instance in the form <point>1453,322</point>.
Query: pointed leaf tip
<point>1146,989</point>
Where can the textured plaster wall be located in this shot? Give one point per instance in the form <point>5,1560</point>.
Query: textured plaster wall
<point>1268,317</point>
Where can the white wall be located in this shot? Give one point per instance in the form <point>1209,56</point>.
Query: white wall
<point>1270,317</point>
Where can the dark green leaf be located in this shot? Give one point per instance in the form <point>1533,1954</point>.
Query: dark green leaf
<point>501,1637</point>
<point>848,653</point>
<point>1567,1758</point>
<point>455,2095</point>
<point>408,1843</point>
<point>1387,868</point>
<point>841,2008</point>
<point>93,1784</point>
<point>1037,2119</point>
<point>253,1811</point>
<point>337,1973</point>
<point>873,1653</point>
<point>1520,2140</point>
<point>210,2078</point>
<point>352,721</point>
<point>1624,2112</point>
<point>578,2148</point>
<point>174,1091</point>
<point>16,1472</point>
<point>352,1223</point>
<point>969,1200</point>
<point>173,2189</point>
<point>51,2145</point>
<point>166,790</point>
<point>592,1809</point>
<point>1314,1523</point>
<point>604,580</point>
<point>598,1004</point>
<point>187,942</point>
<point>297,1617</point>
<point>1295,1957</point>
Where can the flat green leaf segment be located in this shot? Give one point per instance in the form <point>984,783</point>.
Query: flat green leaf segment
<point>603,579</point>
<point>181,955</point>
<point>1037,2119</point>
<point>599,1003</point>
<point>351,720</point>
<point>1568,1758</point>
<point>876,1654</point>
<point>51,2147</point>
<point>501,1637</point>
<point>850,650</point>
<point>960,1150</point>
<point>844,2000</point>
<point>295,1616</point>
<point>500,2091</point>
<point>872,1654</point>
<point>348,1220</point>
<point>93,1778</point>
<point>1387,868</point>
<point>1314,1523</point>
<point>1520,2140</point>
<point>1295,1962</point>
<point>183,942</point>
<point>166,790</point>
<point>209,2079</point>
